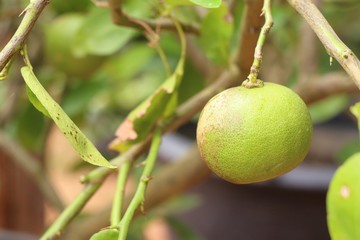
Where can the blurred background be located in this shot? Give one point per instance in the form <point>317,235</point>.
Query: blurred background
<point>99,72</point>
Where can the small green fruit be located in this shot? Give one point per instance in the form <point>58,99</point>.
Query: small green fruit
<point>343,199</point>
<point>248,135</point>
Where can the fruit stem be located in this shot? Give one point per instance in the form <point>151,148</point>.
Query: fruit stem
<point>252,80</point>
<point>139,196</point>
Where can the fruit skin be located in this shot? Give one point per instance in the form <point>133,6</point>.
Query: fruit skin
<point>342,201</point>
<point>248,135</point>
<point>59,38</point>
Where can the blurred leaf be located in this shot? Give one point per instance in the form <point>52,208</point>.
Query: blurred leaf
<point>216,33</point>
<point>202,3</point>
<point>30,128</point>
<point>78,140</point>
<point>106,234</point>
<point>140,121</point>
<point>285,18</point>
<point>132,60</point>
<point>143,118</point>
<point>61,6</point>
<point>78,98</point>
<point>207,3</point>
<point>182,230</point>
<point>343,200</point>
<point>328,108</point>
<point>99,36</point>
<point>192,83</point>
<point>35,102</point>
<point>348,150</point>
<point>178,205</point>
<point>139,8</point>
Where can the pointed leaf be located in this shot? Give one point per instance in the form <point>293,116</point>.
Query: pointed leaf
<point>78,140</point>
<point>142,119</point>
<point>99,36</point>
<point>343,200</point>
<point>161,104</point>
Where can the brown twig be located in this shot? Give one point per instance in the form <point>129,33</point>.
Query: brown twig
<point>334,46</point>
<point>250,30</point>
<point>321,87</point>
<point>32,13</point>
<point>32,167</point>
<point>122,19</point>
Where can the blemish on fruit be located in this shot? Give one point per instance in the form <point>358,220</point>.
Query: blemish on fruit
<point>345,192</point>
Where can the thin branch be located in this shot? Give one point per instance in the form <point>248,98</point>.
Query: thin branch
<point>139,196</point>
<point>119,194</point>
<point>122,19</point>
<point>71,211</point>
<point>334,46</point>
<point>169,181</point>
<point>92,184</point>
<point>321,87</point>
<point>32,13</point>
<point>252,80</point>
<point>32,167</point>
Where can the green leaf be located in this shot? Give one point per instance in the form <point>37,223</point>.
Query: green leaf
<point>30,128</point>
<point>160,104</point>
<point>35,102</point>
<point>78,140</point>
<point>216,33</point>
<point>207,3</point>
<point>328,108</point>
<point>106,234</point>
<point>202,3</point>
<point>143,118</point>
<point>99,36</point>
<point>343,200</point>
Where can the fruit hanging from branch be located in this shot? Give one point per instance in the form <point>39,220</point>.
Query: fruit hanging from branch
<point>248,135</point>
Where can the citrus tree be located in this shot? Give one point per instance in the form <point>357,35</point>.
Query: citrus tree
<point>138,69</point>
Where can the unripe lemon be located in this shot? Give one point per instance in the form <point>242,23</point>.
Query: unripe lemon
<point>248,135</point>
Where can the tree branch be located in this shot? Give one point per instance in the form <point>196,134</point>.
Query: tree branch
<point>334,46</point>
<point>250,30</point>
<point>321,87</point>
<point>122,19</point>
<point>32,13</point>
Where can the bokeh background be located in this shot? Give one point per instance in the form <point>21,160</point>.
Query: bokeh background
<point>99,72</point>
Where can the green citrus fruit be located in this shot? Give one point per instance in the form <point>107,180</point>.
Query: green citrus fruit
<point>248,135</point>
<point>59,38</point>
<point>343,198</point>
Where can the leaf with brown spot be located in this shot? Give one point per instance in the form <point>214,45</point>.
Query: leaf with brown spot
<point>76,137</point>
<point>161,104</point>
